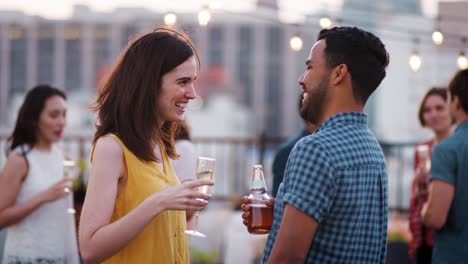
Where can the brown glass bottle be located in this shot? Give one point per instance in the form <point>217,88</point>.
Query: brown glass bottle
<point>261,213</point>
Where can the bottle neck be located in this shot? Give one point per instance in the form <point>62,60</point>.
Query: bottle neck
<point>257,183</point>
<point>258,190</point>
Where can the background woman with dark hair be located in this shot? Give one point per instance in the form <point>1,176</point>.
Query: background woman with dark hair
<point>135,207</point>
<point>33,206</point>
<point>434,114</point>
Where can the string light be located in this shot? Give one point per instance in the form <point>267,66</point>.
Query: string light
<point>325,22</point>
<point>170,19</point>
<point>462,61</point>
<point>415,61</point>
<point>437,37</point>
<point>204,16</point>
<point>295,42</point>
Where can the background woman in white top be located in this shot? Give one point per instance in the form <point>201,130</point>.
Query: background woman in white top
<point>33,203</point>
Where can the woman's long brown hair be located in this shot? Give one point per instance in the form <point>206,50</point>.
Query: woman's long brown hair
<point>127,102</point>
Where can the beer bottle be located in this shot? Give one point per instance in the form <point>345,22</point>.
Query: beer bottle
<point>261,213</point>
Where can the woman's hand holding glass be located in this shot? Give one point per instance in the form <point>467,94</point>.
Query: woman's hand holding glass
<point>423,170</point>
<point>184,196</point>
<point>70,174</point>
<point>55,192</point>
<point>205,171</point>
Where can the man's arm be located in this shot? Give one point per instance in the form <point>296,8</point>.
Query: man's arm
<point>295,236</point>
<point>435,211</point>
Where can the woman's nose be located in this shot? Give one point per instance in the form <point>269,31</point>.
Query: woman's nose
<point>191,93</point>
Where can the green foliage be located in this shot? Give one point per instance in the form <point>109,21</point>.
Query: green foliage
<point>81,163</point>
<point>396,236</point>
<point>202,257</point>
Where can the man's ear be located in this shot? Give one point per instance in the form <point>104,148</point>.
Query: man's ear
<point>339,73</point>
<point>456,103</point>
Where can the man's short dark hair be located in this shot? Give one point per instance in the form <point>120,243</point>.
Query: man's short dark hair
<point>458,86</point>
<point>362,52</point>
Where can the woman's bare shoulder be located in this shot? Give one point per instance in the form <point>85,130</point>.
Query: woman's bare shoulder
<point>108,146</point>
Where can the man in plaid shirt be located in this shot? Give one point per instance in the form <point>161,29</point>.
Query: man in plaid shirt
<point>332,204</point>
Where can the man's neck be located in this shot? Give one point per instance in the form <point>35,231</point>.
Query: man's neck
<point>460,117</point>
<point>340,107</point>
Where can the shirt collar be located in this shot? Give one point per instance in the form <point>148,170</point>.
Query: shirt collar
<point>462,126</point>
<point>355,118</point>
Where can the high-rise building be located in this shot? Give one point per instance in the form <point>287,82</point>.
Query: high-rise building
<point>251,57</point>
<point>245,55</point>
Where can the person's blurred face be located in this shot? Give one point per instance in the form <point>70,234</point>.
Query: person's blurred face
<point>52,120</point>
<point>436,113</point>
<point>315,84</point>
<point>177,90</point>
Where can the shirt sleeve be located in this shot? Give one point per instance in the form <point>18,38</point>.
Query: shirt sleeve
<point>443,164</point>
<point>309,182</point>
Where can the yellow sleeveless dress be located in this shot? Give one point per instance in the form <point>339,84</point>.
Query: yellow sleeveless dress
<point>163,240</point>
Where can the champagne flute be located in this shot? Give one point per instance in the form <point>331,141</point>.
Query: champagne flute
<point>205,170</point>
<point>424,157</point>
<point>70,172</point>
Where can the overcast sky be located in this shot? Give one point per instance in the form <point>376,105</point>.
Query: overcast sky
<point>60,9</point>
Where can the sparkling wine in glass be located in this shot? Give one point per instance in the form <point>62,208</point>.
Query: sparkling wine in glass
<point>424,157</point>
<point>205,170</point>
<point>70,172</point>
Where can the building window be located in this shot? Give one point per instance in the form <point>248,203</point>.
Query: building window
<point>274,80</point>
<point>244,64</point>
<point>102,35</point>
<point>216,46</point>
<point>73,57</point>
<point>128,33</point>
<point>17,36</point>
<point>45,54</point>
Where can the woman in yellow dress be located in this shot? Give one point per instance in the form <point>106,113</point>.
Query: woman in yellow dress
<point>135,207</point>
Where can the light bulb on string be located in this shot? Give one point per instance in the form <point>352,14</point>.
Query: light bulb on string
<point>437,37</point>
<point>325,22</point>
<point>295,42</point>
<point>462,61</point>
<point>415,61</point>
<point>204,16</point>
<point>170,19</point>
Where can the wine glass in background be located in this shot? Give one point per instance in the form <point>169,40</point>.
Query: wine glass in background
<point>70,172</point>
<point>424,157</point>
<point>205,170</point>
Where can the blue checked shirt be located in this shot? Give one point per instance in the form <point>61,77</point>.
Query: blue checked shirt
<point>338,177</point>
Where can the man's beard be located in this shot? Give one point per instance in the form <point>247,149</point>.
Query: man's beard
<point>313,106</point>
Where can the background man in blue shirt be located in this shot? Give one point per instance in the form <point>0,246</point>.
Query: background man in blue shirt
<point>281,157</point>
<point>332,204</point>
<point>447,207</point>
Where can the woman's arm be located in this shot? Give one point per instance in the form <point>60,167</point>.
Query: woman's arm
<point>11,180</point>
<point>101,239</point>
